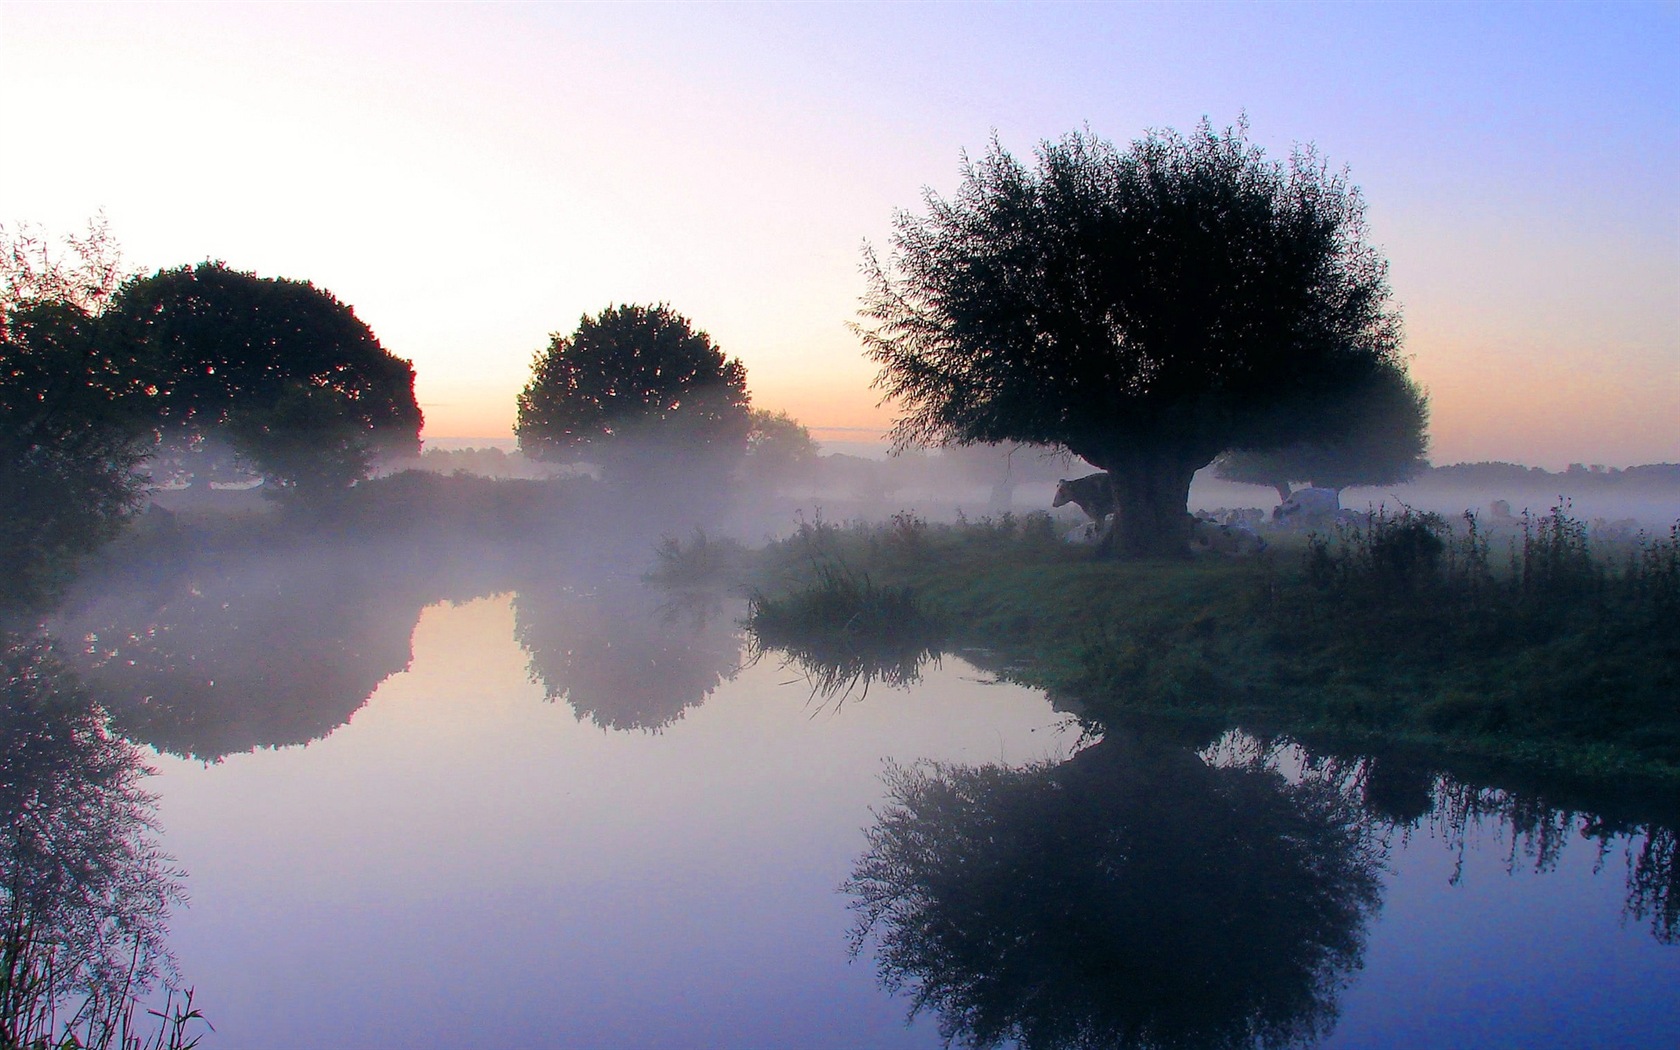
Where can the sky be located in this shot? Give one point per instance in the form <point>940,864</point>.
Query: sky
<point>474,178</point>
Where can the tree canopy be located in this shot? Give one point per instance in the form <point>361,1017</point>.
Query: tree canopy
<point>635,386</point>
<point>1146,309</point>
<point>1384,442</point>
<point>283,370</point>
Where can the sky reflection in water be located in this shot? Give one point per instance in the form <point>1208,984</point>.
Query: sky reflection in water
<point>473,859</point>
<point>465,863</point>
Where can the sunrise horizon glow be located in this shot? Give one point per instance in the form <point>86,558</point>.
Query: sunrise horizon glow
<point>472,179</point>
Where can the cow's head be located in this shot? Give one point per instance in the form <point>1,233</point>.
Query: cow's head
<point>1064,493</point>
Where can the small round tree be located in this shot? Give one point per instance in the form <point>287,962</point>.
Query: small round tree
<point>1145,309</point>
<point>780,450</point>
<point>637,391</point>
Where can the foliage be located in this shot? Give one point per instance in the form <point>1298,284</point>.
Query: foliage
<point>307,441</point>
<point>704,561</point>
<point>1384,439</point>
<point>74,414</point>
<point>31,273</point>
<point>1385,557</point>
<point>635,388</point>
<point>844,631</point>
<point>1557,650</point>
<point>1146,309</point>
<point>284,370</point>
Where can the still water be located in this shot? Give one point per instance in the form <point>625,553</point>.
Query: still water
<point>579,821</point>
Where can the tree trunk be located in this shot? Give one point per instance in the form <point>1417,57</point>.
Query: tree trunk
<point>1152,500</point>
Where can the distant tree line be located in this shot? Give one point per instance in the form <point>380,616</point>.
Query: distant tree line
<point>1577,477</point>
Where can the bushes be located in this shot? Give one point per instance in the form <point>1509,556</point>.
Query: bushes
<point>1414,565</point>
<point>1559,645</point>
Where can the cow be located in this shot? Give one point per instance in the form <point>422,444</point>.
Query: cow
<point>1225,539</point>
<point>1093,493</point>
<point>1308,507</point>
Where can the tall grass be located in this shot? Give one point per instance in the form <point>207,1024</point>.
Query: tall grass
<point>844,631</point>
<point>1556,643</point>
<point>43,1007</point>
<point>1414,563</point>
<point>703,561</point>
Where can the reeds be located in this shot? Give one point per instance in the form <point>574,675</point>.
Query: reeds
<point>845,631</point>
<point>36,992</point>
<point>703,561</point>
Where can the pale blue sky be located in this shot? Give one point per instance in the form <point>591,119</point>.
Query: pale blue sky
<point>474,177</point>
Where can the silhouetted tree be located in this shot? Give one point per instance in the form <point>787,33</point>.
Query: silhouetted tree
<point>281,369</point>
<point>75,413</point>
<point>1130,897</point>
<point>641,393</point>
<point>1385,437</point>
<point>1145,309</point>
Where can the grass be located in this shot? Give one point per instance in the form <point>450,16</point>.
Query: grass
<point>41,1009</point>
<point>702,562</point>
<point>842,629</point>
<point>1550,654</point>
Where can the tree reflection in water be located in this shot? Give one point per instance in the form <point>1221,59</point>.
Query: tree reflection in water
<point>86,892</point>
<point>1133,896</point>
<point>1539,831</point>
<point>619,657</point>
<point>266,650</point>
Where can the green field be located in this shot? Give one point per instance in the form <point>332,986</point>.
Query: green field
<point>1530,648</point>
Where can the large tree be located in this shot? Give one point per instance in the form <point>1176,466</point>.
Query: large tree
<point>1146,309</point>
<point>282,370</point>
<point>1386,436</point>
<point>639,392</point>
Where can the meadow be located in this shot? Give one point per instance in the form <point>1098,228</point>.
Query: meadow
<point>1534,645</point>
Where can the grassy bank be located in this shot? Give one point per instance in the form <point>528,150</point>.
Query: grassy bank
<point>1534,649</point>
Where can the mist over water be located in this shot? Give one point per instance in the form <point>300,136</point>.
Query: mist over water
<point>450,767</point>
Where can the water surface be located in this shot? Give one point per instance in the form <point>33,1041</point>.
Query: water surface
<point>567,815</point>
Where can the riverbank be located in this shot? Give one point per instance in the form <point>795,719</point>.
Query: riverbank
<point>1547,655</point>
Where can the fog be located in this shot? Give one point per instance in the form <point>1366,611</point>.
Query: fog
<point>267,654</point>
<point>863,481</point>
